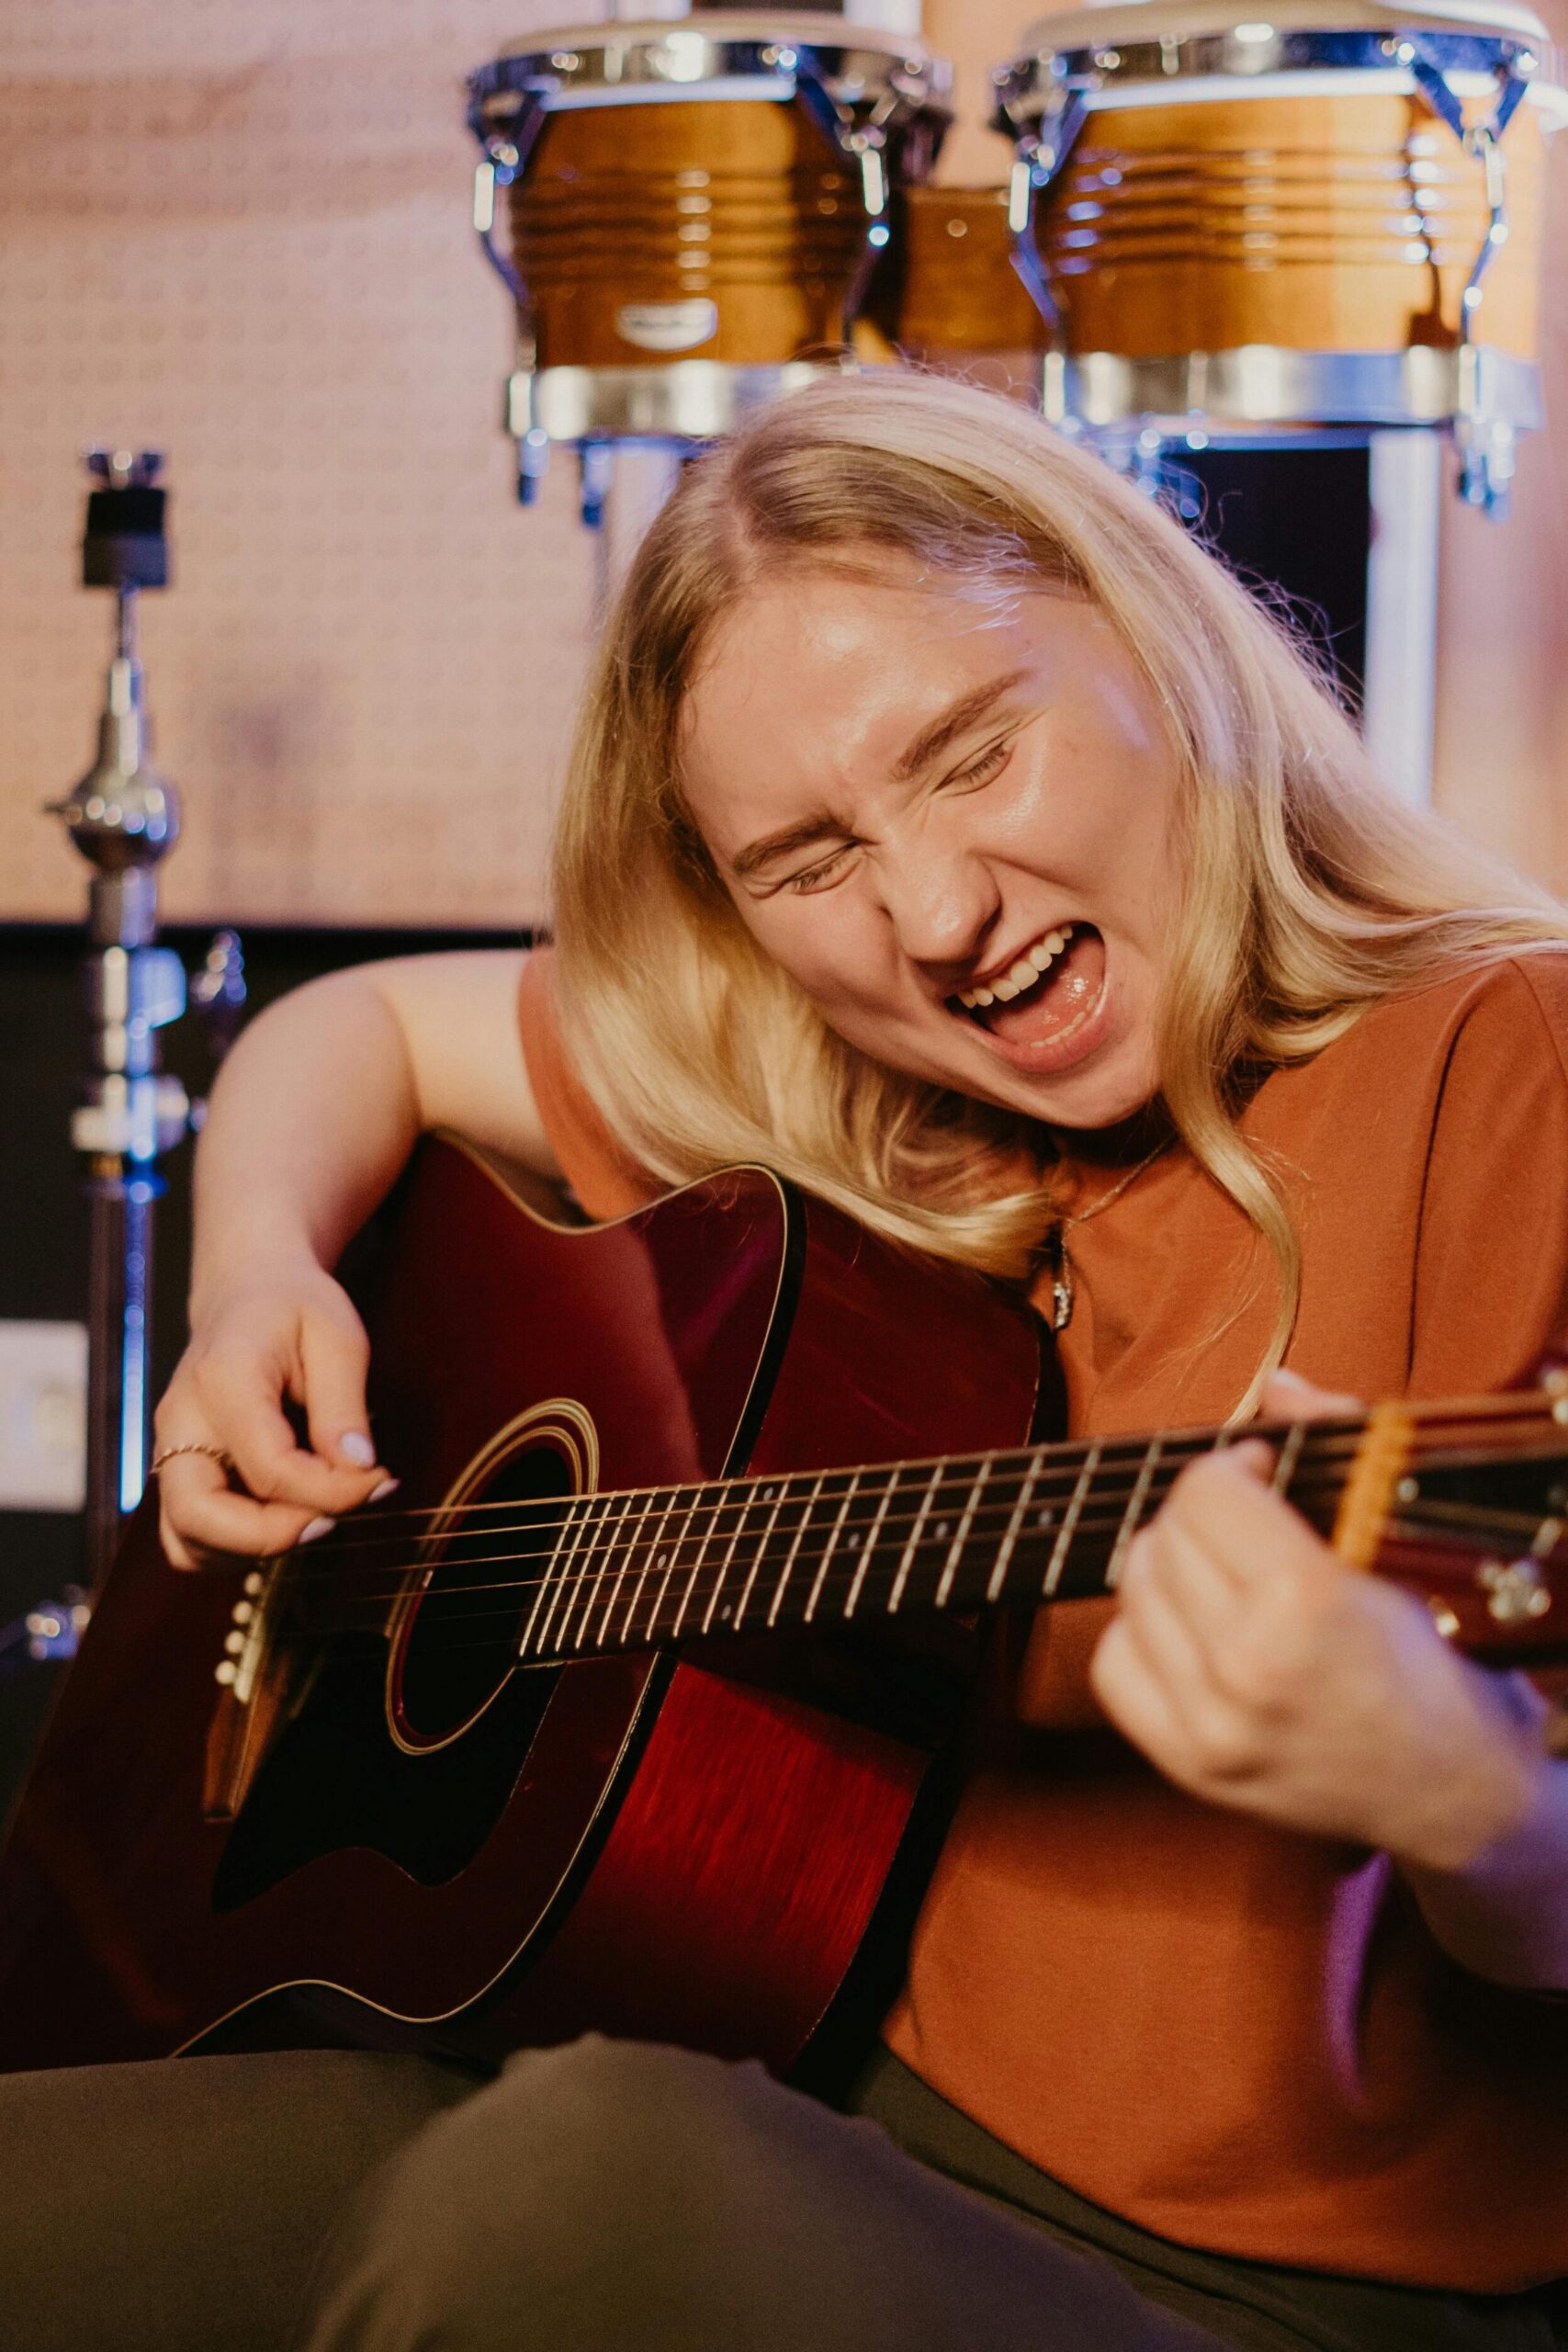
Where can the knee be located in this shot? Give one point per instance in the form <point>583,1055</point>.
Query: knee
<point>590,2180</point>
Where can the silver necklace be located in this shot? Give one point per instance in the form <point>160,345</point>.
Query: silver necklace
<point>1063,1288</point>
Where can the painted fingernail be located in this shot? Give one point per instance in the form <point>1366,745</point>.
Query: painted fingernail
<point>356,1447</point>
<point>317,1529</point>
<point>388,1487</point>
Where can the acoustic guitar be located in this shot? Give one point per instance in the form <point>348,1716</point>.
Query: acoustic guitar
<point>619,1716</point>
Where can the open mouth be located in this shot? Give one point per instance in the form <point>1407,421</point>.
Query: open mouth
<point>1048,1000</point>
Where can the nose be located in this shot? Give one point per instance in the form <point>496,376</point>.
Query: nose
<point>941,901</point>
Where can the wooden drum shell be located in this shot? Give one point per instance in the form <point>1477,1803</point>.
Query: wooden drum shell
<point>736,202</point>
<point>955,287</point>
<point>1344,222</point>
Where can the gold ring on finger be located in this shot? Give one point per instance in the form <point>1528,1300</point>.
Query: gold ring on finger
<point>213,1454</point>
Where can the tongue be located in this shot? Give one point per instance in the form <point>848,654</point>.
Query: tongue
<point>1058,997</point>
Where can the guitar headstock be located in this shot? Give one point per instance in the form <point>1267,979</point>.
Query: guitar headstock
<point>1476,1524</point>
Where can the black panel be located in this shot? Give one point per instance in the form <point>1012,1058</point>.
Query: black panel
<point>1295,523</point>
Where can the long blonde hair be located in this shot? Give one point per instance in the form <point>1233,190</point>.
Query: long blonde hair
<point>1309,891</point>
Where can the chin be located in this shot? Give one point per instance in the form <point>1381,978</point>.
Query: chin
<point>1088,1099</point>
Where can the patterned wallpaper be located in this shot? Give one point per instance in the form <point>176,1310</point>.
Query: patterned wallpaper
<point>242,235</point>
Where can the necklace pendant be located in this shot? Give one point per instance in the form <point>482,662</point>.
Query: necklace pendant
<point>1062,1296</point>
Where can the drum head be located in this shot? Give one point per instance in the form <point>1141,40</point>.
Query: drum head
<point>1102,23</point>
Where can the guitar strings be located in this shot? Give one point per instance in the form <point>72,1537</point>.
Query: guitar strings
<point>808,1547</point>
<point>573,1648</point>
<point>705,1581</point>
<point>708,1521</point>
<point>1325,1439</point>
<point>552,1516</point>
<point>1485,1413</point>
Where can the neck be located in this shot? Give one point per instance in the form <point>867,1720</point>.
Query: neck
<point>634,1570</point>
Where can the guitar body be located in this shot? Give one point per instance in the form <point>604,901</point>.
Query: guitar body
<point>437,1848</point>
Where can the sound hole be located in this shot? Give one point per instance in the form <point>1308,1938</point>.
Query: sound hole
<point>462,1644</point>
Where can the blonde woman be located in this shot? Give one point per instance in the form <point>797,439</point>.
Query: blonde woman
<point>948,830</point>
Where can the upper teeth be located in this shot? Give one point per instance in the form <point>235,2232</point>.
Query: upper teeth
<point>1023,974</point>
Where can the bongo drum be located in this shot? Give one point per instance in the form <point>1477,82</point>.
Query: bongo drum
<point>1331,218</point>
<point>958,290</point>
<point>694,209</point>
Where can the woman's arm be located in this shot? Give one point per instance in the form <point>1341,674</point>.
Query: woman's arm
<point>316,1110</point>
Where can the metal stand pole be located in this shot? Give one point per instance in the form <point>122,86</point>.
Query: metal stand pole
<point>1405,487</point>
<point>123,818</point>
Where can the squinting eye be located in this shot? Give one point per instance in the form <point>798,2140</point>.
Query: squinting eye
<point>989,763</point>
<point>803,883</point>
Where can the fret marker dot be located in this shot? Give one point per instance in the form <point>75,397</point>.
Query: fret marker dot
<point>1042,1518</point>
<point>725,1611</point>
<point>941,1530</point>
<point>851,1542</point>
<point>767,1494</point>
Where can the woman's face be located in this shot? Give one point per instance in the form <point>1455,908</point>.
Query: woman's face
<point>952,823</point>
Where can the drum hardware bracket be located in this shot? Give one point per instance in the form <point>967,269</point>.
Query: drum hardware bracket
<point>1484,437</point>
<point>862,146</point>
<point>1040,154</point>
<point>123,816</point>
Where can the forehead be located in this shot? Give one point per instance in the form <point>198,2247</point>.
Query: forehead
<point>817,681</point>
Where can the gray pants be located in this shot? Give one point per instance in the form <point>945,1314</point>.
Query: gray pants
<point>600,2197</point>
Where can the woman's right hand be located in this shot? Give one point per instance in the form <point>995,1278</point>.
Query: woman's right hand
<point>288,1332</point>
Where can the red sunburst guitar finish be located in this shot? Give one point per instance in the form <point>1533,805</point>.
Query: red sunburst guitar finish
<point>688,1851</point>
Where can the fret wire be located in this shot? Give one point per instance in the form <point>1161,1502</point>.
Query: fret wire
<point>675,1544</point>
<point>777,1601</point>
<point>1130,1517</point>
<point>560,1580</point>
<point>1059,1555</point>
<point>590,1595</point>
<point>924,1514</point>
<point>692,1579</point>
<point>1285,1467</point>
<point>612,1551</point>
<point>814,1594</point>
<point>723,1572</point>
<point>649,1547</point>
<point>864,1562</point>
<point>544,1585</point>
<point>998,1574</point>
<point>777,1495</point>
<point>623,1551</point>
<point>945,1584</point>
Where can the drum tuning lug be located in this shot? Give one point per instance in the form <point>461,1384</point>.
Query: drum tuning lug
<point>532,463</point>
<point>598,461</point>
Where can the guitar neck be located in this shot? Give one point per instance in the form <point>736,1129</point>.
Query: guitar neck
<point>636,1570</point>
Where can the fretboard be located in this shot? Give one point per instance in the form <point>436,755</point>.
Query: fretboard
<point>636,1570</point>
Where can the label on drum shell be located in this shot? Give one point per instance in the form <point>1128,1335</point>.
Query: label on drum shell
<point>667,326</point>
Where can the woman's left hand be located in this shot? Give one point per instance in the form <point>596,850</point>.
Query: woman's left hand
<point>1258,1671</point>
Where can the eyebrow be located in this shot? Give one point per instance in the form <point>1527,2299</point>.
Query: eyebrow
<point>805,836</point>
<point>955,722</point>
<point>928,745</point>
